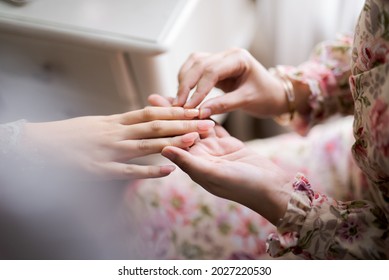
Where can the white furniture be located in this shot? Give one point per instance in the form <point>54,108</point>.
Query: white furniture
<point>60,59</point>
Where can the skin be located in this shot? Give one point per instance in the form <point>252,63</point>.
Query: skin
<point>102,145</point>
<point>247,84</point>
<point>222,165</point>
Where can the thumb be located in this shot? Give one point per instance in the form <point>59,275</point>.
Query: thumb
<point>222,104</point>
<point>189,163</point>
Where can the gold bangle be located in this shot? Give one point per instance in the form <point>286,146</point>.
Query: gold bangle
<point>286,118</point>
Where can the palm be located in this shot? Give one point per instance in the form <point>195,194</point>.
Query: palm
<point>227,164</point>
<point>225,167</point>
<point>221,150</point>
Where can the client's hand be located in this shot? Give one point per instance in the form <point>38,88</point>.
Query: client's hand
<point>103,145</point>
<point>225,167</point>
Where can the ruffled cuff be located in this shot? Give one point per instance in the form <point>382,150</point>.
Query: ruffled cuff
<point>289,227</point>
<point>326,74</point>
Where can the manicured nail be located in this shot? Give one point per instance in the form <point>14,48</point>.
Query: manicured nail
<point>190,137</point>
<point>167,169</point>
<point>205,124</point>
<point>205,113</point>
<point>191,113</point>
<point>189,103</point>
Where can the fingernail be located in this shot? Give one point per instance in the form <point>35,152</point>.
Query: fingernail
<point>189,103</point>
<point>191,113</point>
<point>205,113</point>
<point>189,138</point>
<point>205,124</point>
<point>167,169</point>
<point>175,101</point>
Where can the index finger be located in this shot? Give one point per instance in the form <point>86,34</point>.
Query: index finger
<point>188,76</point>
<point>230,64</point>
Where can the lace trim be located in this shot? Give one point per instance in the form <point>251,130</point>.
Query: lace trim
<point>10,135</point>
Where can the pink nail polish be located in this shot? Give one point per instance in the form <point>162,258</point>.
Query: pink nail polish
<point>188,138</point>
<point>205,124</point>
<point>205,113</point>
<point>167,169</point>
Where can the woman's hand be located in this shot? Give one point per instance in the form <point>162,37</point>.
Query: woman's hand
<point>247,84</point>
<point>225,167</point>
<point>103,145</point>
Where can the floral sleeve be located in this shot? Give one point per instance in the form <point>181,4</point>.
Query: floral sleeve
<point>326,73</point>
<point>316,226</point>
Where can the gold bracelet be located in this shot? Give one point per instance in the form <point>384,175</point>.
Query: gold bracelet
<point>286,118</point>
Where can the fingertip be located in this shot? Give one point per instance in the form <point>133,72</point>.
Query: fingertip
<point>167,169</point>
<point>190,103</point>
<point>169,153</point>
<point>151,99</point>
<point>205,113</point>
<point>205,125</point>
<point>180,99</point>
<point>190,138</point>
<point>175,102</point>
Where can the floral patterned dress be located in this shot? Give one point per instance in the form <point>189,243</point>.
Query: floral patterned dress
<point>340,206</point>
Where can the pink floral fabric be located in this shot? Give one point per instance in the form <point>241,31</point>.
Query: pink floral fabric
<point>340,207</point>
<point>315,225</point>
<point>178,219</point>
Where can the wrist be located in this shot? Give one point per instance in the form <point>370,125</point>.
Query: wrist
<point>302,93</point>
<point>272,201</point>
<point>279,200</point>
<point>294,98</point>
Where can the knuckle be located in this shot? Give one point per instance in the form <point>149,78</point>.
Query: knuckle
<point>210,74</point>
<point>188,125</point>
<point>144,145</point>
<point>148,113</point>
<point>223,106</point>
<point>195,56</point>
<point>198,64</point>
<point>238,51</point>
<point>156,126</point>
<point>244,55</point>
<point>151,171</point>
<point>128,170</point>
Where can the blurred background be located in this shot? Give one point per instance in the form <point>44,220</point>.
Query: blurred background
<point>61,59</point>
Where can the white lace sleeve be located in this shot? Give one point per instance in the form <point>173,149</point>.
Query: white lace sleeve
<point>10,135</point>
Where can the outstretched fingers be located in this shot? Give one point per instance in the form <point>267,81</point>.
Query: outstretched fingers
<point>124,171</point>
<point>150,113</point>
<point>194,166</point>
<point>206,73</point>
<point>130,149</point>
<point>163,128</point>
